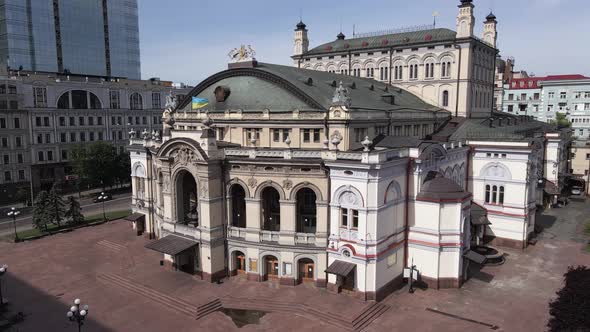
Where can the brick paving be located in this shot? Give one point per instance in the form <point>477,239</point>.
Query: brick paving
<point>109,268</point>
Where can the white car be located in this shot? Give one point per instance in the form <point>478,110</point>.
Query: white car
<point>576,191</point>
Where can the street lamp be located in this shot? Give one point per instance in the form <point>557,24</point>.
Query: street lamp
<point>3,270</point>
<point>13,213</point>
<point>102,198</point>
<point>76,314</point>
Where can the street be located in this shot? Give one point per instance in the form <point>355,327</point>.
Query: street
<point>119,202</point>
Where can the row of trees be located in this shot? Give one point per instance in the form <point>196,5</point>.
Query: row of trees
<point>99,164</point>
<point>50,208</point>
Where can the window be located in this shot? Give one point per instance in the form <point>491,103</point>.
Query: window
<point>7,176</point>
<point>252,134</point>
<point>510,108</point>
<point>311,135</point>
<point>398,72</point>
<point>64,154</point>
<point>39,139</point>
<point>91,136</point>
<point>72,137</point>
<point>344,217</point>
<point>130,120</point>
<point>523,96</point>
<point>99,120</point>
<point>72,121</point>
<point>156,100</point>
<point>2,123</point>
<point>360,134</point>
<point>49,155</point>
<point>355,218</point>
<point>82,137</point>
<point>536,96</point>
<point>6,159</point>
<point>62,137</point>
<point>501,196</point>
<point>91,121</point>
<point>384,73</point>
<point>100,136</point>
<point>550,108</point>
<point>46,121</point>
<point>446,69</point>
<point>135,101</point>
<point>13,104</point>
<point>445,101</point>
<point>40,97</point>
<point>16,123</point>
<point>586,106</point>
<point>356,72</point>
<point>19,141</point>
<point>144,120</point>
<point>494,194</point>
<point>511,96</point>
<point>587,94</point>
<point>414,71</point>
<point>280,134</point>
<point>12,89</point>
<point>114,99</point>
<point>381,130</point>
<point>120,136</point>
<point>429,70</point>
<point>563,95</point>
<point>40,156</point>
<point>62,121</point>
<point>578,95</point>
<point>370,72</point>
<point>21,174</point>
<point>81,120</point>
<point>551,95</point>
<point>19,158</point>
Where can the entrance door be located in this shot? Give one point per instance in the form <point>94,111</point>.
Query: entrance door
<point>308,270</point>
<point>241,264</point>
<point>348,283</point>
<point>272,268</point>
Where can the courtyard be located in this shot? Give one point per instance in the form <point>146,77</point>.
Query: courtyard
<point>108,267</point>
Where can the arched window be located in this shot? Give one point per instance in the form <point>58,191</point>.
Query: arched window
<point>414,71</point>
<point>306,211</point>
<point>494,194</point>
<point>383,73</point>
<point>445,98</point>
<point>398,71</point>
<point>12,89</point>
<point>429,73</point>
<point>488,193</point>
<point>370,71</point>
<point>135,101</point>
<point>501,196</point>
<point>78,99</point>
<point>271,209</point>
<point>238,206</point>
<point>356,72</point>
<point>446,68</point>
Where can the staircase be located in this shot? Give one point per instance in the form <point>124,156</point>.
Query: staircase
<point>110,245</point>
<point>286,307</point>
<point>208,308</point>
<point>172,303</point>
<point>368,315</point>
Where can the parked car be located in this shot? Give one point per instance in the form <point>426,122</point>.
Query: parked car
<point>576,190</point>
<point>107,196</point>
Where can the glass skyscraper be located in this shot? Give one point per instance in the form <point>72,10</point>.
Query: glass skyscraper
<point>88,37</point>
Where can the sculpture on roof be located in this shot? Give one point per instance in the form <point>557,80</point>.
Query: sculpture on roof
<point>241,54</point>
<point>169,109</point>
<point>341,97</point>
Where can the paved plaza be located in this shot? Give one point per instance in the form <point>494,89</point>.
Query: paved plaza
<point>127,289</point>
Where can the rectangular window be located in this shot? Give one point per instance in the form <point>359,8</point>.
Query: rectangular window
<point>586,106</point>
<point>360,134</point>
<point>47,138</point>
<point>81,120</point>
<point>62,137</point>
<point>19,142</point>
<point>72,121</point>
<point>536,96</point>
<point>13,104</point>
<point>3,104</point>
<point>62,121</point>
<point>100,136</point>
<point>64,154</point>
<point>523,96</point>
<point>7,176</point>
<point>72,137</point>
<point>46,121</point>
<point>550,108</point>
<point>130,120</point>
<point>381,130</point>
<point>91,136</point>
<point>511,96</point>
<point>16,123</point>
<point>21,174</point>
<point>2,123</point>
<point>563,95</point>
<point>39,139</point>
<point>279,134</point>
<point>355,219</point>
<point>344,217</point>
<point>115,101</point>
<point>91,121</point>
<point>407,130</point>
<point>144,120</point>
<point>50,155</point>
<point>6,159</point>
<point>20,159</point>
<point>587,94</point>
<point>38,121</point>
<point>120,135</point>
<point>40,156</point>
<point>82,137</point>
<point>4,142</point>
<point>113,121</point>
<point>156,100</point>
<point>252,134</point>
<point>99,120</point>
<point>578,95</point>
<point>40,97</point>
<point>551,95</point>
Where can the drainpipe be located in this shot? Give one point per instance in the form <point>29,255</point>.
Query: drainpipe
<point>407,214</point>
<point>328,201</point>
<point>225,219</point>
<point>458,80</point>
<point>151,189</point>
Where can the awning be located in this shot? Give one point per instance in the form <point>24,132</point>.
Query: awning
<point>551,188</point>
<point>171,245</point>
<point>474,257</point>
<point>340,268</point>
<point>479,215</point>
<point>135,217</point>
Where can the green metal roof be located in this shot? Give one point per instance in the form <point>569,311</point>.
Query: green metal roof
<point>383,41</point>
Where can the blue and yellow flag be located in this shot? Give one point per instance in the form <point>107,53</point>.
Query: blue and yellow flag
<point>199,103</point>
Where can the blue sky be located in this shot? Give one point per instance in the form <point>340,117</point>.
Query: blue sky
<point>188,40</point>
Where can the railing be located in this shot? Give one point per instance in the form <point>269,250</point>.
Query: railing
<point>186,230</point>
<point>236,232</point>
<point>305,238</point>
<point>269,236</point>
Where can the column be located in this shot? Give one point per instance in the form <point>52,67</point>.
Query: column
<point>253,219</point>
<point>288,224</point>
<point>322,231</point>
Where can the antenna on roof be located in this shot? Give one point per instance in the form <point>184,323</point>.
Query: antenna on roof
<point>353,29</point>
<point>301,14</point>
<point>435,14</point>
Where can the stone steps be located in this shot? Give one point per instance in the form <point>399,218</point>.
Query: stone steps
<point>286,307</point>
<point>110,245</point>
<point>170,302</point>
<point>367,316</point>
<point>208,308</point>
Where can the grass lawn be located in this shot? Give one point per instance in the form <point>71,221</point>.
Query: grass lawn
<point>113,215</point>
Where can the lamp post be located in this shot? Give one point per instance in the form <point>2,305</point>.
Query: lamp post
<point>3,270</point>
<point>13,213</point>
<point>76,314</point>
<point>102,198</point>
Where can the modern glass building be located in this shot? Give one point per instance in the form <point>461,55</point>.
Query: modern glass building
<point>88,37</point>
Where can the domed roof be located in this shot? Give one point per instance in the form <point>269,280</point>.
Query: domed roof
<point>301,25</point>
<point>491,17</point>
<point>340,36</point>
<point>441,188</point>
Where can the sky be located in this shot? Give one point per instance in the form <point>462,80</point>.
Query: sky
<point>188,40</point>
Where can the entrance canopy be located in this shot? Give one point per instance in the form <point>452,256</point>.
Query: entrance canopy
<point>479,215</point>
<point>340,268</point>
<point>474,257</point>
<point>135,217</point>
<point>171,245</point>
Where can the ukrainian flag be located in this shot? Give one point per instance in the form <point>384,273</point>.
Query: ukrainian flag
<point>199,103</point>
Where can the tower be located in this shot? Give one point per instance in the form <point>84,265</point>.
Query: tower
<point>301,43</point>
<point>490,32</point>
<point>465,19</point>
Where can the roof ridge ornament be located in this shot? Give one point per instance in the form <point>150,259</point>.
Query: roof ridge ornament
<point>341,97</point>
<point>243,53</point>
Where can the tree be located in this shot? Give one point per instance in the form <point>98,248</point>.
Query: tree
<point>40,213</point>
<point>73,213</point>
<point>569,311</point>
<point>123,169</point>
<point>55,206</point>
<point>22,195</point>
<point>561,121</point>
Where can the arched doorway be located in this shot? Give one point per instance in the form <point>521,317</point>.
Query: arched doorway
<point>306,270</point>
<point>271,268</point>
<point>187,207</point>
<point>239,262</point>
<point>306,211</point>
<point>238,206</point>
<point>271,209</point>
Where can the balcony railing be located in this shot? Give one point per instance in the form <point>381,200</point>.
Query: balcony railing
<point>181,229</point>
<point>305,238</point>
<point>236,232</point>
<point>269,236</point>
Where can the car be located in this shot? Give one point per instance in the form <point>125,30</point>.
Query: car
<point>576,190</point>
<point>107,197</point>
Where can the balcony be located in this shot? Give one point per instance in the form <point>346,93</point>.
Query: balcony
<point>182,229</point>
<point>269,236</point>
<point>305,238</point>
<point>236,232</point>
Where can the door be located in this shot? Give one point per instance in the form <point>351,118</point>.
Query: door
<point>272,269</point>
<point>307,272</point>
<point>241,264</point>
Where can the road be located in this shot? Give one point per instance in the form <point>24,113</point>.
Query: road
<point>118,203</point>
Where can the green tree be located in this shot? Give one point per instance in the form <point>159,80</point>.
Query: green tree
<point>40,210</point>
<point>74,214</point>
<point>55,206</point>
<point>561,121</point>
<point>22,195</point>
<point>102,164</point>
<point>123,169</point>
